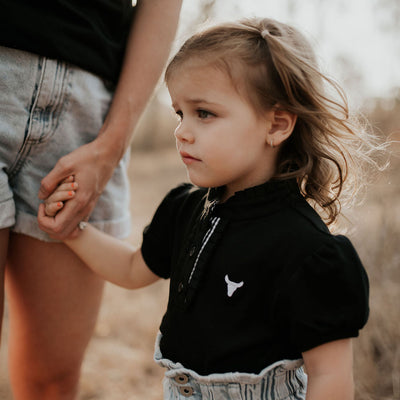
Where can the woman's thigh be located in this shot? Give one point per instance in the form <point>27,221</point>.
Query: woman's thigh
<point>4,233</point>
<point>53,301</point>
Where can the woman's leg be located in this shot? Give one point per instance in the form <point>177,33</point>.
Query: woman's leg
<point>53,301</point>
<point>3,255</point>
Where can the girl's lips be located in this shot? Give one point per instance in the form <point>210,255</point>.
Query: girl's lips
<point>187,158</point>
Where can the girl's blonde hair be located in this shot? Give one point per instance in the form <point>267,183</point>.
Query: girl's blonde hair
<point>276,66</point>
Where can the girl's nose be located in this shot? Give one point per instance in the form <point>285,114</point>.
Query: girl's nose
<point>183,134</point>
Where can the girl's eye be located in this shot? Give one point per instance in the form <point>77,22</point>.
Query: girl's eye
<point>203,114</point>
<point>179,114</point>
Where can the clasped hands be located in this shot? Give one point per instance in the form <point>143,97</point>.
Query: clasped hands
<point>64,207</point>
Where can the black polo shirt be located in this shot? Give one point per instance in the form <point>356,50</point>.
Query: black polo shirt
<point>91,34</point>
<point>254,280</point>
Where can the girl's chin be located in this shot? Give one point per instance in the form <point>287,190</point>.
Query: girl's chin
<point>201,182</point>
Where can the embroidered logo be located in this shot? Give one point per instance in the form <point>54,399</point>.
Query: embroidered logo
<point>232,286</point>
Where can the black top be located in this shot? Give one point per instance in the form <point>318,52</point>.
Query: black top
<point>299,286</point>
<point>88,33</point>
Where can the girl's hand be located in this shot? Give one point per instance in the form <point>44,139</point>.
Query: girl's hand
<point>64,192</point>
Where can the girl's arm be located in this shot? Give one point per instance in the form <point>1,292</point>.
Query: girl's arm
<point>111,258</point>
<point>330,371</point>
<point>114,260</point>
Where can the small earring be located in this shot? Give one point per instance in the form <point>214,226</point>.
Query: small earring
<point>271,143</point>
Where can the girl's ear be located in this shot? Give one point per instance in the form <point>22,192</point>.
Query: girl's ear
<point>281,125</point>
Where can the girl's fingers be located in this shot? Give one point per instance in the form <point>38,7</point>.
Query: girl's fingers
<point>61,195</point>
<point>69,179</point>
<point>51,209</point>
<point>66,186</point>
<point>65,191</point>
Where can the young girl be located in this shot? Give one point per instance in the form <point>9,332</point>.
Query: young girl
<point>258,284</point>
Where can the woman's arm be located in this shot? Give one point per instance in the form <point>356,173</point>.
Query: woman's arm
<point>330,371</point>
<point>92,165</point>
<point>147,50</point>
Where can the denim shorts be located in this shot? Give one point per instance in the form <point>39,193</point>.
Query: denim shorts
<point>48,108</point>
<point>283,380</point>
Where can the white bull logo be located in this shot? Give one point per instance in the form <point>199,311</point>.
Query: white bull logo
<point>232,286</point>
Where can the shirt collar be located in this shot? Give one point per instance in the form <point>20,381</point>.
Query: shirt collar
<point>257,200</point>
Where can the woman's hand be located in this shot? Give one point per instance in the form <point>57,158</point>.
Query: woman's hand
<point>92,166</point>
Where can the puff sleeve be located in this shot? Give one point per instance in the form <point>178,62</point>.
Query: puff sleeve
<point>326,298</point>
<point>157,244</point>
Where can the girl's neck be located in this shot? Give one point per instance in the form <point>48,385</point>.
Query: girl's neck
<point>227,192</point>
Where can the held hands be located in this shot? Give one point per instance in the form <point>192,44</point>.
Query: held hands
<point>64,192</point>
<point>54,204</point>
<point>92,166</point>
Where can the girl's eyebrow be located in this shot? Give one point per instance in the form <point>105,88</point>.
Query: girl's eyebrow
<point>197,101</point>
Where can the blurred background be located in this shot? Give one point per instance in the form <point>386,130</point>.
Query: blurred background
<point>358,44</point>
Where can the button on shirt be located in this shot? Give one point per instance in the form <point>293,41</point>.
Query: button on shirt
<point>254,280</point>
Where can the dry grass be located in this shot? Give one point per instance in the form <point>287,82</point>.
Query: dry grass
<point>377,238</point>
<point>119,364</point>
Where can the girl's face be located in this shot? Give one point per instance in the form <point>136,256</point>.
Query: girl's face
<point>221,139</point>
